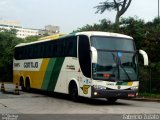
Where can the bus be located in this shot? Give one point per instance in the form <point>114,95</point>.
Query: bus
<point>90,64</point>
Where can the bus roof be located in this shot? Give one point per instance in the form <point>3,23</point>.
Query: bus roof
<point>87,33</point>
<point>53,37</point>
<point>43,39</point>
<point>99,33</point>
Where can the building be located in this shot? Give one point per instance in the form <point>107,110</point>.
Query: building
<point>26,32</point>
<point>21,32</point>
<point>49,30</point>
<point>52,29</point>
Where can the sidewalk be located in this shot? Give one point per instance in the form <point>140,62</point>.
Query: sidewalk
<point>146,99</point>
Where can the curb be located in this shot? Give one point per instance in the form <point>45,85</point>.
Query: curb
<point>145,99</point>
<point>7,82</point>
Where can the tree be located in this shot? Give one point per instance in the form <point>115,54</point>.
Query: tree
<point>103,25</point>
<point>118,5</point>
<point>31,38</point>
<point>8,40</point>
<point>134,27</point>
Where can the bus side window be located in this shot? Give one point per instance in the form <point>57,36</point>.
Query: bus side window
<point>31,52</point>
<point>49,50</point>
<point>55,50</point>
<point>45,52</point>
<point>27,53</point>
<point>84,55</point>
<point>59,49</point>
<point>36,51</point>
<point>71,47</point>
<point>17,53</point>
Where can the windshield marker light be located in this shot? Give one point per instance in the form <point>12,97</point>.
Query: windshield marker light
<point>106,75</point>
<point>131,95</point>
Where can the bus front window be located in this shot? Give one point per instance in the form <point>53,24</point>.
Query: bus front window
<point>116,59</point>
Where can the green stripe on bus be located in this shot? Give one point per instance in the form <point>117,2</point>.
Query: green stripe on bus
<point>122,83</point>
<point>55,73</point>
<point>48,73</point>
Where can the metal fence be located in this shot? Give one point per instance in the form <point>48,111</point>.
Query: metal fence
<point>149,80</point>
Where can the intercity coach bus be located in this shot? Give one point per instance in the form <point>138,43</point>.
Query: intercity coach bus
<point>89,64</point>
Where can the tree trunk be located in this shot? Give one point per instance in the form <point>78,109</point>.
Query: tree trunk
<point>120,12</point>
<point>117,22</point>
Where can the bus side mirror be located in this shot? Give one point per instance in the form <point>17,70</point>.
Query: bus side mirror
<point>145,57</point>
<point>94,54</point>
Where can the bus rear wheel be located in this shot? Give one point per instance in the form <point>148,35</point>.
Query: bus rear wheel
<point>73,92</point>
<point>112,100</point>
<point>22,84</point>
<point>28,87</point>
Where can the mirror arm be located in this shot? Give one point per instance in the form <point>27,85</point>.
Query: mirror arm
<point>145,57</point>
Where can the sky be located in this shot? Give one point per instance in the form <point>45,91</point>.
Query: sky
<point>69,15</point>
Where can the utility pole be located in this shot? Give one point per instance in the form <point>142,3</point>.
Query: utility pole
<point>158,9</point>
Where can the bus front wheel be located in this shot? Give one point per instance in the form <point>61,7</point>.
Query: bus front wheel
<point>73,91</point>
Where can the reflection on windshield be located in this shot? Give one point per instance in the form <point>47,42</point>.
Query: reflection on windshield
<point>116,59</point>
<point>122,68</point>
<point>112,43</point>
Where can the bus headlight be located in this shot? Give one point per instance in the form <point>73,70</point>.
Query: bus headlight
<point>134,88</point>
<point>99,87</point>
<point>95,93</point>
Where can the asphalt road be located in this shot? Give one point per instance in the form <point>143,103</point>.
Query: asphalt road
<point>59,105</point>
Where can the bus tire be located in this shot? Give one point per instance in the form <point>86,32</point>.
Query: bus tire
<point>28,87</point>
<point>73,91</point>
<point>112,100</point>
<point>21,83</point>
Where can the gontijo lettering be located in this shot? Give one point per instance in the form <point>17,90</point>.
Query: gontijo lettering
<point>30,64</point>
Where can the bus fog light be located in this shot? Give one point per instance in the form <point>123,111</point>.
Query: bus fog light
<point>134,88</point>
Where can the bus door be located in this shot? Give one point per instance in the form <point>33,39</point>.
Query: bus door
<point>84,56</point>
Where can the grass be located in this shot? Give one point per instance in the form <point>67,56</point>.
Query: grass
<point>150,95</point>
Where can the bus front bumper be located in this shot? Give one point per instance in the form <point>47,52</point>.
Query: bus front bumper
<point>114,93</point>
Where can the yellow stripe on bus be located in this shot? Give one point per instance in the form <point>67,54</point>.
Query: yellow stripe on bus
<point>36,77</point>
<point>130,83</point>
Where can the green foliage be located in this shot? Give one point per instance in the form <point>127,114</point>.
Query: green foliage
<point>149,95</point>
<point>8,40</point>
<point>104,25</point>
<point>103,6</point>
<point>31,38</point>
<point>135,28</point>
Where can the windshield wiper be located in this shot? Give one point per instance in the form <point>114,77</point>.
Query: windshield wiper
<point>125,73</point>
<point>119,63</point>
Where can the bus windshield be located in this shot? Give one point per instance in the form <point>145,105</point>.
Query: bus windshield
<point>112,43</point>
<point>116,59</point>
